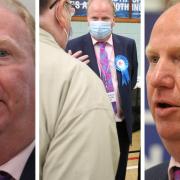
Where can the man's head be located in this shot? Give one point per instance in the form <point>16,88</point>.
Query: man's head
<point>16,7</point>
<point>100,16</point>
<point>170,3</point>
<point>17,79</point>
<point>55,17</point>
<point>163,78</point>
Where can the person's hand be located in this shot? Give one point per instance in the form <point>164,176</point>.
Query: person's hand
<point>78,55</point>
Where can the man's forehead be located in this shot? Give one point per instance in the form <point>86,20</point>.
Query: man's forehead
<point>169,19</point>
<point>11,23</point>
<point>14,33</point>
<point>8,17</point>
<point>103,5</point>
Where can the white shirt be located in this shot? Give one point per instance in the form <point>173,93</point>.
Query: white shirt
<point>172,163</point>
<point>16,165</point>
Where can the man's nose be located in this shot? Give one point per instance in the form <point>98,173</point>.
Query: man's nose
<point>163,75</point>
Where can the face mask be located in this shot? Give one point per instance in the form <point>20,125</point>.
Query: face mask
<point>100,29</point>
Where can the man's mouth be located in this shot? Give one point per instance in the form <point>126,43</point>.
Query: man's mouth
<point>164,105</point>
<point>165,108</point>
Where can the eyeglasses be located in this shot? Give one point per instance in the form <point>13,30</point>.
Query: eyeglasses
<point>67,4</point>
<point>53,4</point>
<point>70,7</point>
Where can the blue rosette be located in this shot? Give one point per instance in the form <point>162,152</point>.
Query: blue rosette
<point>121,64</point>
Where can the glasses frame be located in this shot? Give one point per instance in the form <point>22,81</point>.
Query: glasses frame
<point>53,4</point>
<point>66,3</point>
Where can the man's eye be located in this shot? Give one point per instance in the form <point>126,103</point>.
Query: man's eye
<point>153,59</point>
<point>106,19</point>
<point>3,53</point>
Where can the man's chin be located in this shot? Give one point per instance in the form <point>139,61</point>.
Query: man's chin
<point>169,134</point>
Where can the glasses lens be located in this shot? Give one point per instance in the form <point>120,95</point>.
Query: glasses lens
<point>73,11</point>
<point>70,7</point>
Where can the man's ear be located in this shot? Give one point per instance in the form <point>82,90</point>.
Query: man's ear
<point>60,15</point>
<point>113,23</point>
<point>88,20</point>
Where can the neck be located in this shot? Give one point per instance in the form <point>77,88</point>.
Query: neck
<point>13,143</point>
<point>11,149</point>
<point>173,147</point>
<point>50,24</point>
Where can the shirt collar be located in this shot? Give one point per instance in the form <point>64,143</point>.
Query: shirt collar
<point>16,165</point>
<point>172,163</point>
<point>109,41</point>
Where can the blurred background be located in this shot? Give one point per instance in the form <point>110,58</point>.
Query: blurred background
<point>30,5</point>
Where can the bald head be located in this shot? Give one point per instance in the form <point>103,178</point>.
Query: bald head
<point>167,23</point>
<point>97,2</point>
<point>169,20</point>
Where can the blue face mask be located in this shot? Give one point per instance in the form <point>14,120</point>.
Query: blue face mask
<point>100,29</point>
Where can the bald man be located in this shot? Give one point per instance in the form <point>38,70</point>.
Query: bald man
<point>163,87</point>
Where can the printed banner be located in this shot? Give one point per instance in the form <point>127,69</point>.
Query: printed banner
<point>123,8</point>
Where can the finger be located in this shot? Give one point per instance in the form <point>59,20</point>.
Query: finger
<point>86,62</point>
<point>83,58</point>
<point>77,54</point>
<point>70,52</point>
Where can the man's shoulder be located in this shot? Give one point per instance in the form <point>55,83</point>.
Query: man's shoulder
<point>80,38</point>
<point>158,172</point>
<point>122,38</point>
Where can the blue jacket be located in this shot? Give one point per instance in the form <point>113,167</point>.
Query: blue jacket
<point>29,169</point>
<point>159,172</point>
<point>122,46</point>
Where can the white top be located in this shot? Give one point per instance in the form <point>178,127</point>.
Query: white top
<point>172,163</point>
<point>16,165</point>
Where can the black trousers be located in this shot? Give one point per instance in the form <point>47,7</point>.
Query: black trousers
<point>124,149</point>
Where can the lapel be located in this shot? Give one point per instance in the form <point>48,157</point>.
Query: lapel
<point>89,50</point>
<point>117,51</point>
<point>29,169</point>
